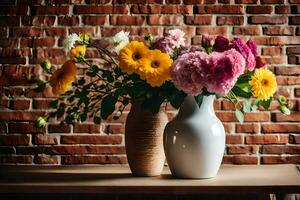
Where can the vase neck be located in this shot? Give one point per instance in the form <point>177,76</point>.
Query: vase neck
<point>190,106</point>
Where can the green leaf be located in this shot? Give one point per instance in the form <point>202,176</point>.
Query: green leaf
<point>97,119</point>
<point>199,99</point>
<point>240,92</point>
<point>53,104</point>
<point>266,104</point>
<point>239,115</point>
<point>153,104</point>
<point>246,105</point>
<point>108,106</point>
<point>41,86</point>
<point>83,117</point>
<point>177,99</point>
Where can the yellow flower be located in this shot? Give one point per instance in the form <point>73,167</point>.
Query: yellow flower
<point>156,68</point>
<point>62,79</point>
<point>263,84</point>
<point>77,52</point>
<point>131,55</point>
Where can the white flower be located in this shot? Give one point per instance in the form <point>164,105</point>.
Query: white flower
<point>71,40</point>
<point>120,40</point>
<point>177,37</point>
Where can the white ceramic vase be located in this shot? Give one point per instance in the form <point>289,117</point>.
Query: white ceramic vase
<point>194,141</point>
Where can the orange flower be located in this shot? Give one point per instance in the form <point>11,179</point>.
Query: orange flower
<point>62,78</point>
<point>77,52</point>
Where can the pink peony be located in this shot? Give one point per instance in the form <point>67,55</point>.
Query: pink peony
<point>189,72</point>
<point>259,61</point>
<point>225,69</point>
<point>221,44</point>
<point>241,47</point>
<point>164,44</point>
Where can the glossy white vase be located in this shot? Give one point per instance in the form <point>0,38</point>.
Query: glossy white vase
<point>194,141</point>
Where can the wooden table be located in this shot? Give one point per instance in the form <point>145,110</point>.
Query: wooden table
<point>118,180</point>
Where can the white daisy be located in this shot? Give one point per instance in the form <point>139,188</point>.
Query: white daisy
<point>120,40</point>
<point>71,40</point>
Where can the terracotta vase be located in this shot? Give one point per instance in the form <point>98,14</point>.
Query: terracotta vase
<point>144,141</point>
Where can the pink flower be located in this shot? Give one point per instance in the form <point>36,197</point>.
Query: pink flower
<point>259,61</point>
<point>170,41</point>
<point>177,37</point>
<point>206,41</point>
<point>189,72</point>
<point>221,44</point>
<point>225,69</point>
<point>241,47</point>
<point>164,44</point>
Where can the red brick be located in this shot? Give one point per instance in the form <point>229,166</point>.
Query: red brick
<point>25,32</point>
<point>46,159</point>
<point>275,60</point>
<point>270,41</point>
<point>270,51</point>
<point>14,140</point>
<point>259,9</point>
<point>169,20</point>
<point>199,1</point>
<point>41,104</point>
<point>13,159</point>
<point>281,149</point>
<point>272,1</point>
<point>39,42</point>
<point>240,160</point>
<point>86,128</point>
<point>230,20</point>
<point>218,30</point>
<point>282,9</point>
<point>101,9</point>
<point>19,116</point>
<point>247,128</point>
<point>267,19</point>
<point>234,139</point>
<point>53,31</point>
<point>95,20</point>
<point>281,128</point>
<point>128,20</point>
<point>294,20</point>
<point>3,127</point>
<point>68,20</point>
<point>24,128</point>
<point>114,129</point>
<point>63,150</point>
<point>219,9</point>
<point>247,30</point>
<point>295,139</point>
<point>71,160</point>
<point>280,159</point>
<point>242,149</point>
<point>267,139</point>
<point>32,94</point>
<point>19,104</point>
<point>288,80</point>
<point>50,10</point>
<point>38,20</point>
<point>246,1</point>
<point>278,30</point>
<point>57,128</point>
<point>42,139</point>
<point>293,117</point>
<point>88,139</point>
<point>8,42</point>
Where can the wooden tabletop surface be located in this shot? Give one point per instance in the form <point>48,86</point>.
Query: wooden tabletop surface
<point>118,180</point>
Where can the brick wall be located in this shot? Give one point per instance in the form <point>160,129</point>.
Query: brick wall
<point>31,32</point>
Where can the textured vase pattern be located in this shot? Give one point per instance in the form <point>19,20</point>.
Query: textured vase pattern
<point>194,141</point>
<point>144,141</point>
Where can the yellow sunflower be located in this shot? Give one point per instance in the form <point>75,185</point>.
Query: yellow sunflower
<point>77,52</point>
<point>62,79</point>
<point>156,68</point>
<point>263,84</point>
<point>131,55</point>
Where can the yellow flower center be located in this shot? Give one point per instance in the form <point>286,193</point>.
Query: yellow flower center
<point>155,64</point>
<point>136,56</point>
<point>265,82</point>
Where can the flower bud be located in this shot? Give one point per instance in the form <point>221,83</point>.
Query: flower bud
<point>207,41</point>
<point>281,100</point>
<point>46,65</point>
<point>149,37</point>
<point>40,122</point>
<point>285,110</point>
<point>85,38</point>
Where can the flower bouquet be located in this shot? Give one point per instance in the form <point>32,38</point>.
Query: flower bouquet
<point>152,72</point>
